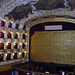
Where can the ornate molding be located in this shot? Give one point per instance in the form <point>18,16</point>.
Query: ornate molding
<point>12,4</point>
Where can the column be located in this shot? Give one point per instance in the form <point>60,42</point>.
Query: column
<point>11,55</point>
<point>12,35</point>
<point>18,44</point>
<point>7,23</point>
<point>11,45</point>
<point>4,45</point>
<point>18,55</point>
<point>4,57</point>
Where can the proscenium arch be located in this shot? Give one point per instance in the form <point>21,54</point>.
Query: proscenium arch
<point>43,21</point>
<point>49,19</point>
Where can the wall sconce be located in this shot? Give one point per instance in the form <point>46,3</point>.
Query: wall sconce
<point>25,52</point>
<point>25,43</point>
<point>6,54</point>
<point>20,43</point>
<point>14,43</point>
<point>7,43</point>
<point>17,33</point>
<point>19,53</point>
<point>13,54</point>
<point>25,34</point>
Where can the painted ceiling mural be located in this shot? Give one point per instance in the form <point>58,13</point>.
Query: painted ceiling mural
<point>19,12</point>
<point>49,4</point>
<point>3,2</point>
<point>71,4</point>
<point>23,10</point>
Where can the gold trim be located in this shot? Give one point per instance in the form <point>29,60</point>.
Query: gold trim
<point>45,20</point>
<point>52,20</point>
<point>48,18</point>
<point>2,50</point>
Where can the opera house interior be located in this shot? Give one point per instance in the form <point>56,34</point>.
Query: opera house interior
<point>37,37</point>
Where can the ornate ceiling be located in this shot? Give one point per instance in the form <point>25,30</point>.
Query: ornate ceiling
<point>45,4</point>
<point>19,12</point>
<point>71,4</point>
<point>25,9</point>
<point>49,4</point>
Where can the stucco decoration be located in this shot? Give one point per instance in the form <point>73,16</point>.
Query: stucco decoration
<point>22,10</point>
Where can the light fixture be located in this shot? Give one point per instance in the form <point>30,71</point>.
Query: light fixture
<point>14,43</point>
<point>18,33</point>
<point>7,43</point>
<point>25,52</point>
<point>13,54</point>
<point>11,32</point>
<point>11,21</point>
<point>4,20</point>
<point>25,34</point>
<point>25,43</point>
<point>3,31</point>
<point>6,54</point>
<point>19,53</point>
<point>20,43</point>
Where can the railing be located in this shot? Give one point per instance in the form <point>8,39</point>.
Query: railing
<point>10,61</point>
<point>35,72</point>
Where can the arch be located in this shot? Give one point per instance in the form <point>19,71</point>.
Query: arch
<point>49,17</point>
<point>42,21</point>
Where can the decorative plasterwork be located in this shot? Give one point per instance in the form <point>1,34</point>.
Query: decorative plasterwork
<point>12,4</point>
<point>51,16</point>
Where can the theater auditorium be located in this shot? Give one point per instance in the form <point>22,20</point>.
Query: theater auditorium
<point>37,37</point>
